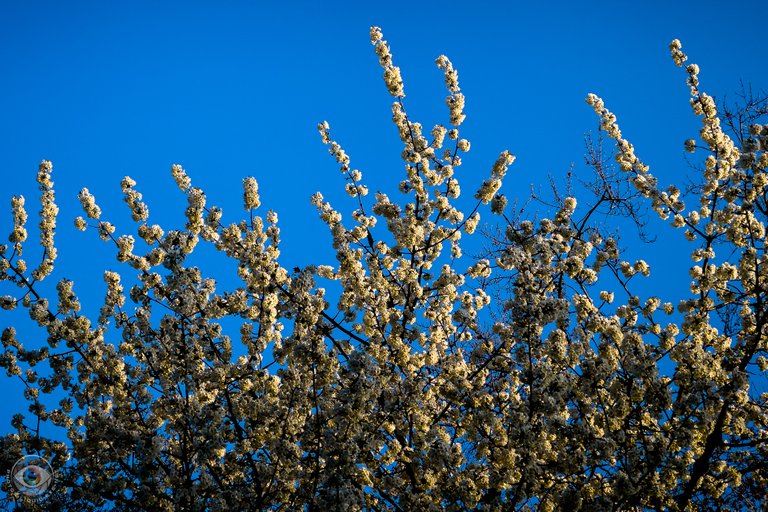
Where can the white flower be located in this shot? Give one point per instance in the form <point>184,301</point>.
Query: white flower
<point>89,204</point>
<point>251,193</point>
<point>180,177</point>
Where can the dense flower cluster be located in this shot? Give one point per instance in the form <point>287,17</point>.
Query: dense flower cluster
<point>389,391</point>
<point>391,72</point>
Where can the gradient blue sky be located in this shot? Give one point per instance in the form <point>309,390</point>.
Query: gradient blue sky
<point>232,89</point>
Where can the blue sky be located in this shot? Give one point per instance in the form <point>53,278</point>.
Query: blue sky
<point>235,89</point>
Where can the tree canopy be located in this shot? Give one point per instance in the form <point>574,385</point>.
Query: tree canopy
<point>411,376</point>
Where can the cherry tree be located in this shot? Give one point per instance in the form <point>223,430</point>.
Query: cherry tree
<point>378,383</point>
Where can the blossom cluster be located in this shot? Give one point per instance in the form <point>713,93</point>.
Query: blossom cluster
<point>392,77</point>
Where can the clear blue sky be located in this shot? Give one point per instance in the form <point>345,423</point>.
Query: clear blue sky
<point>231,89</point>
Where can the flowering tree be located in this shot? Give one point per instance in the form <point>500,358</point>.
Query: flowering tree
<point>398,396</point>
